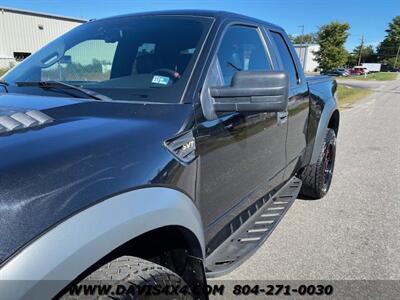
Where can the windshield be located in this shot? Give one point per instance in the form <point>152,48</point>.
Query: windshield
<point>141,58</point>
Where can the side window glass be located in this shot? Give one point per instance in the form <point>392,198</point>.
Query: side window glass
<point>214,78</point>
<point>286,57</point>
<point>241,49</point>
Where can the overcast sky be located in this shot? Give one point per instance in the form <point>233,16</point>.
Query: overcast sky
<point>366,17</point>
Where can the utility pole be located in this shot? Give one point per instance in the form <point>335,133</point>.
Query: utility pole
<point>302,33</point>
<point>361,48</point>
<point>397,56</point>
<point>301,55</point>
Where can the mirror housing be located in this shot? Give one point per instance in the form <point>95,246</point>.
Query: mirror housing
<point>253,91</point>
<point>65,59</point>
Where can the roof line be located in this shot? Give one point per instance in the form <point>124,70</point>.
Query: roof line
<point>29,12</point>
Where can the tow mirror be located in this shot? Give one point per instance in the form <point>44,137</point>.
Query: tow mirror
<point>253,91</point>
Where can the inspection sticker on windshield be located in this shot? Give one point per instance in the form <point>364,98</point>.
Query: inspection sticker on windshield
<point>163,80</point>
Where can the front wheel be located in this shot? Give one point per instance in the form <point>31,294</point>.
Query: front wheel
<point>130,278</point>
<point>317,178</point>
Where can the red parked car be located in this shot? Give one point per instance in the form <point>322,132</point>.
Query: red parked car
<point>358,71</point>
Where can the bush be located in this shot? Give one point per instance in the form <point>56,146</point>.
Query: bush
<point>3,71</point>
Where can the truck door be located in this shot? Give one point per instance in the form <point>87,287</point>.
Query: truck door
<point>298,107</point>
<point>241,155</point>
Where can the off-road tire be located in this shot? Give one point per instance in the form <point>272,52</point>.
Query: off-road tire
<point>128,271</point>
<point>313,176</point>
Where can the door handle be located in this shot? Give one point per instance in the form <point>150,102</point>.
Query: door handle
<point>282,117</point>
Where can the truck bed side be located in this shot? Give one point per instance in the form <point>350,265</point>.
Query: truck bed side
<point>324,112</point>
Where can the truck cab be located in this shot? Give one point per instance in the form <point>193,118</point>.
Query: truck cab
<point>170,142</point>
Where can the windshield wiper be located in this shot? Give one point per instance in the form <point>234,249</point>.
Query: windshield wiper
<point>233,66</point>
<point>62,85</point>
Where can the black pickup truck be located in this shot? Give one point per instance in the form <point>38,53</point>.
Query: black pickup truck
<point>155,148</point>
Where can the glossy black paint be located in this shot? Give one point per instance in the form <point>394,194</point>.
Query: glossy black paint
<point>94,150</point>
<point>241,158</point>
<point>298,108</point>
<point>322,91</point>
<point>91,151</point>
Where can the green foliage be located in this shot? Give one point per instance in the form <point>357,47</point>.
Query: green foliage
<point>380,76</point>
<point>3,71</point>
<point>387,49</point>
<point>368,55</point>
<point>77,72</point>
<point>309,38</point>
<point>331,38</point>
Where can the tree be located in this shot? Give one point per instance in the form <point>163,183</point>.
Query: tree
<point>331,39</point>
<point>388,48</point>
<point>309,38</point>
<point>368,55</point>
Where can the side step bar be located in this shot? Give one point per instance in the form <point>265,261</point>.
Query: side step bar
<point>253,233</point>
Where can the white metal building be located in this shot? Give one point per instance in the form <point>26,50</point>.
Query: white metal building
<point>307,56</point>
<point>23,32</point>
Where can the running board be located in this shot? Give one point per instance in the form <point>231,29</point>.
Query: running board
<point>252,233</point>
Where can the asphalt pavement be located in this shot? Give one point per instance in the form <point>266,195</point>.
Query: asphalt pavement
<point>354,232</point>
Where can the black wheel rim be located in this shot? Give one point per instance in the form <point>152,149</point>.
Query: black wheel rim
<point>329,160</point>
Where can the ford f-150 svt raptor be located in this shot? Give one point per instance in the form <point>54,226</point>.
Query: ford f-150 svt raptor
<point>155,148</point>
